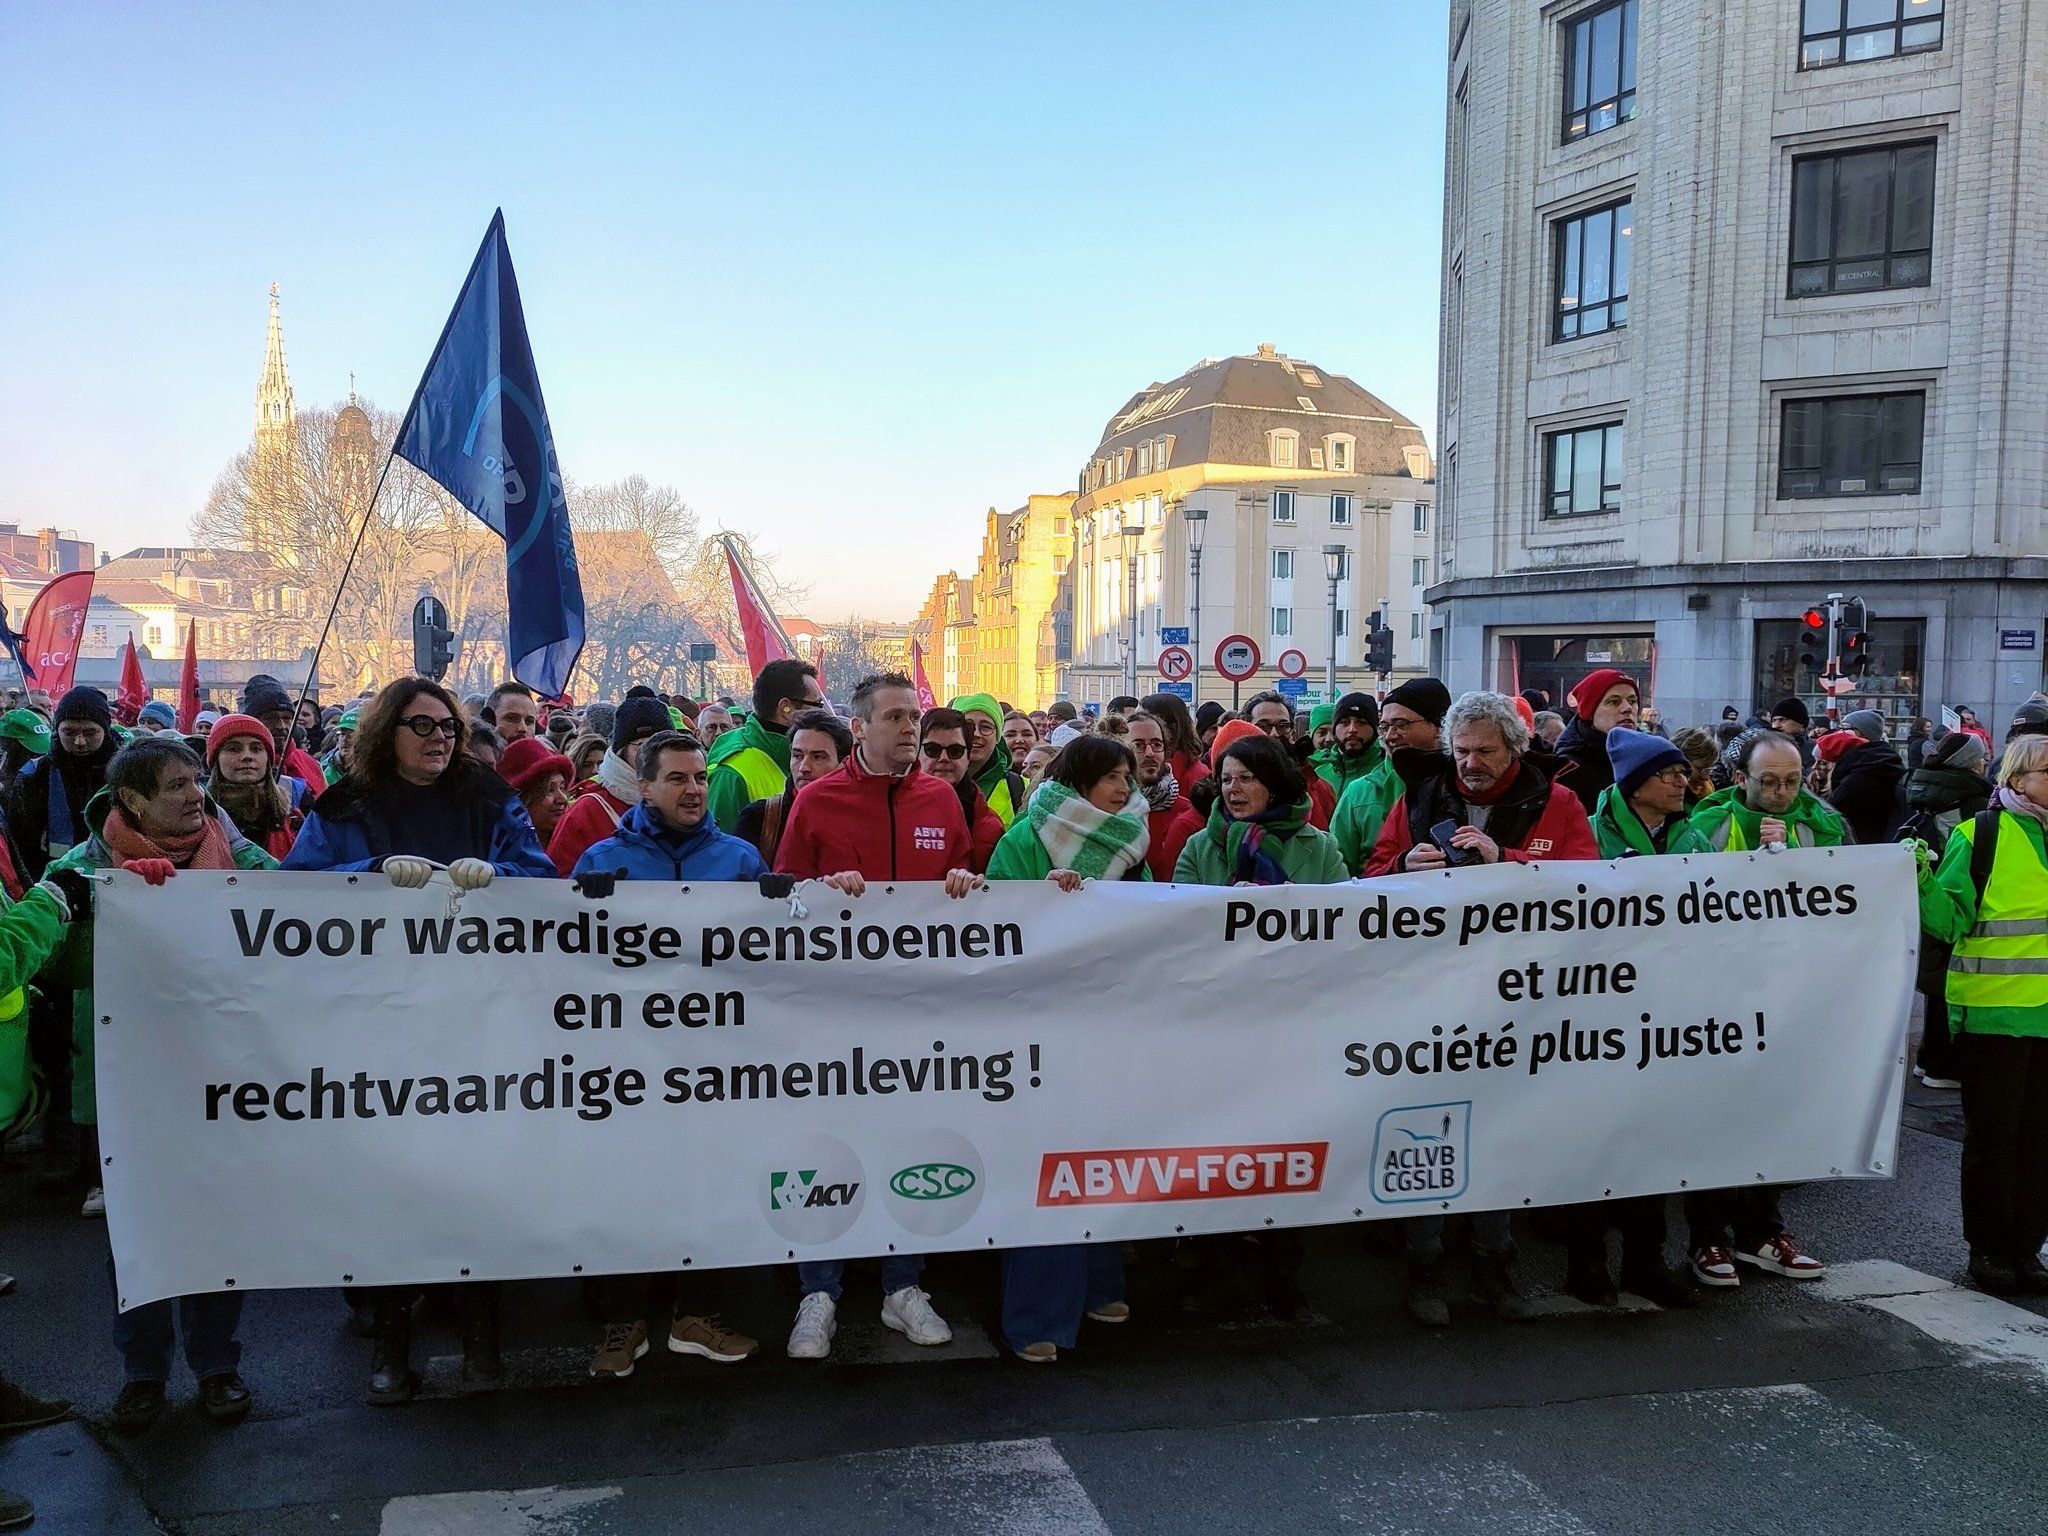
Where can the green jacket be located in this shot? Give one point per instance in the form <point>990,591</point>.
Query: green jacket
<point>1309,857</point>
<point>1727,823</point>
<point>2016,895</point>
<point>1362,810</point>
<point>1341,772</point>
<point>1620,831</point>
<point>993,780</point>
<point>72,965</point>
<point>747,764</point>
<point>30,931</point>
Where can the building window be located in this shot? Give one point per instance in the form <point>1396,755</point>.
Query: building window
<point>1340,454</point>
<point>153,636</point>
<point>1418,571</point>
<point>1282,446</point>
<point>1863,219</point>
<point>1599,69</point>
<point>1585,470</point>
<point>1851,445</point>
<point>1283,565</point>
<point>1283,506</point>
<point>1340,511</point>
<point>96,634</point>
<point>1159,451</point>
<point>1343,622</point>
<point>1144,458</point>
<point>1283,623</point>
<point>1592,271</point>
<point>1422,517</point>
<point>1850,31</point>
<point>1414,626</point>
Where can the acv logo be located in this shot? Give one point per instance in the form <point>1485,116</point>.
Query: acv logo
<point>815,1190</point>
<point>787,1191</point>
<point>932,1181</point>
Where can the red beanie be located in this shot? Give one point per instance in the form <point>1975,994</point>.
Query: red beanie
<point>1230,731</point>
<point>1528,714</point>
<point>1593,688</point>
<point>228,727</point>
<point>530,759</point>
<point>1835,743</point>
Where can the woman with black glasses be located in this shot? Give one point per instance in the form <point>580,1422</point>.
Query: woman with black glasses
<point>414,799</point>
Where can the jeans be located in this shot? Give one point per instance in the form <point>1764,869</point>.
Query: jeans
<point>1490,1235</point>
<point>208,1321</point>
<point>2005,1144</point>
<point>1741,1218</point>
<point>1045,1290</point>
<point>898,1270</point>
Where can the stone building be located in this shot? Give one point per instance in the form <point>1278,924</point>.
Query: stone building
<point>1740,305</point>
<point>1283,460</point>
<point>1024,554</point>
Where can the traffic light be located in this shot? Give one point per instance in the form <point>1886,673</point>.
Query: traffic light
<point>1813,640</point>
<point>433,642</point>
<point>1854,649</point>
<point>1379,645</point>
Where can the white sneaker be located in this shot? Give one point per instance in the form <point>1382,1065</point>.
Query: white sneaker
<point>909,1312</point>
<point>1940,1082</point>
<point>817,1319</point>
<point>95,1202</point>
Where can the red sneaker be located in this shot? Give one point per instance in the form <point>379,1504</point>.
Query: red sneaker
<point>1714,1266</point>
<point>1781,1256</point>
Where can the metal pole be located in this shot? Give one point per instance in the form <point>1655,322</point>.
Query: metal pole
<point>1834,655</point>
<point>1131,654</point>
<point>341,586</point>
<point>1195,634</point>
<point>1330,661</point>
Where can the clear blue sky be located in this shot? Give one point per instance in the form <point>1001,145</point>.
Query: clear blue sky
<point>844,274</point>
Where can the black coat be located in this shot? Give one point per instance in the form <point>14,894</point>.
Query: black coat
<point>1587,770</point>
<point>1865,789</point>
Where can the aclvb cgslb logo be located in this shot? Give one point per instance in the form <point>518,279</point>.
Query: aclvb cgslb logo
<point>1422,1152</point>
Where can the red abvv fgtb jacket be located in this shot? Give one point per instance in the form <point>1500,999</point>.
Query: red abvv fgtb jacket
<point>908,828</point>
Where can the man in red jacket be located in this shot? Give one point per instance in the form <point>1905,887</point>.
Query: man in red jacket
<point>1505,806</point>
<point>877,818</point>
<point>1145,735</point>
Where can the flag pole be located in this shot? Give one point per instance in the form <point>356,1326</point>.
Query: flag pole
<point>760,597</point>
<point>340,587</point>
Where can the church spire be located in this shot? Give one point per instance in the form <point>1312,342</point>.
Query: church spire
<point>274,411</point>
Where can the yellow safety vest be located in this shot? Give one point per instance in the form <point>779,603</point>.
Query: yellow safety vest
<point>759,771</point>
<point>2002,962</point>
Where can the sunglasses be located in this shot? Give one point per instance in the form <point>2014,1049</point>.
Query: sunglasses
<point>935,750</point>
<point>426,725</point>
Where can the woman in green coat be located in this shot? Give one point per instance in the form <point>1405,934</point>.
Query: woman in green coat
<point>1087,821</point>
<point>1259,832</point>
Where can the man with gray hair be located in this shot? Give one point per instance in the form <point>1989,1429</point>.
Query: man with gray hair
<point>1502,803</point>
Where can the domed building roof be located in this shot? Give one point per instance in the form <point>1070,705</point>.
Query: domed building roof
<point>1221,411</point>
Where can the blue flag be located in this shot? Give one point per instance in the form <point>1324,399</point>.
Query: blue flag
<point>16,645</point>
<point>478,426</point>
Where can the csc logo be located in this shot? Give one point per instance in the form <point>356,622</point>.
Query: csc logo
<point>932,1181</point>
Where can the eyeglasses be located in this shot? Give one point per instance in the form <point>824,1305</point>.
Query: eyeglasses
<point>1673,775</point>
<point>1275,727</point>
<point>426,725</point>
<point>936,749</point>
<point>1776,785</point>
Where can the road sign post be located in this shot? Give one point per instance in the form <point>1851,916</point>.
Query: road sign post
<point>1237,658</point>
<point>1176,663</point>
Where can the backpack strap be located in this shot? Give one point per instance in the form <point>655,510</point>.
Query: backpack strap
<point>771,826</point>
<point>1983,849</point>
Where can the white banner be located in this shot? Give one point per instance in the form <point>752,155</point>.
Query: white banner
<point>317,1080</point>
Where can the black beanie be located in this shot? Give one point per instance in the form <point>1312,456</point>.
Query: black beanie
<point>1791,709</point>
<point>1209,714</point>
<point>1424,696</point>
<point>83,703</point>
<point>636,716</point>
<point>1357,703</point>
<point>261,695</point>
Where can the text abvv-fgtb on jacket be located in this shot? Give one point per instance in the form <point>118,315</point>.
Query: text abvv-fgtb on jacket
<point>886,828</point>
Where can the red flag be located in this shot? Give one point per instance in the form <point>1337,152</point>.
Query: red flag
<point>55,621</point>
<point>926,699</point>
<point>134,692</point>
<point>757,624</point>
<point>188,682</point>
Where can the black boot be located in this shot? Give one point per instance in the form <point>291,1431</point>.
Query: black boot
<point>1494,1287</point>
<point>1585,1273</point>
<point>1652,1279</point>
<point>391,1375</point>
<point>1426,1303</point>
<point>483,1368</point>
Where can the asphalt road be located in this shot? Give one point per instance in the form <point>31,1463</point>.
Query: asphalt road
<point>1883,1398</point>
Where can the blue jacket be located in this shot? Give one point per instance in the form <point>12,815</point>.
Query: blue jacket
<point>644,848</point>
<point>337,836</point>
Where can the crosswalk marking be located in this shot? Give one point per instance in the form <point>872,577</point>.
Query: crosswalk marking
<point>1986,1326</point>
<point>493,1512</point>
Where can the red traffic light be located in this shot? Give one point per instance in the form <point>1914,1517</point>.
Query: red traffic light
<point>1814,618</point>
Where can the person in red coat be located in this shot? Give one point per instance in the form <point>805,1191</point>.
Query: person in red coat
<point>877,817</point>
<point>944,738</point>
<point>599,803</point>
<point>1505,805</point>
<point>1145,735</point>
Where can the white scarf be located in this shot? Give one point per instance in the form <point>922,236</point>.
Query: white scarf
<point>619,776</point>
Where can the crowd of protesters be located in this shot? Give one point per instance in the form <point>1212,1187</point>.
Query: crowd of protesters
<point>409,779</point>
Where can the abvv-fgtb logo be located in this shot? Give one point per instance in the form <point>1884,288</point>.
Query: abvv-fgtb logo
<point>1421,1152</point>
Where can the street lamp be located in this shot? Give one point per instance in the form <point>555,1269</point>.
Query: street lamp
<point>1197,520</point>
<point>1333,568</point>
<point>1133,531</point>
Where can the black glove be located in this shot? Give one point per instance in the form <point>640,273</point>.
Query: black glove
<point>777,885</point>
<point>598,883</point>
<point>74,890</point>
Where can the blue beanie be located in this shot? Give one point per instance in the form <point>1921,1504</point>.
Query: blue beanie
<point>160,712</point>
<point>638,715</point>
<point>1637,755</point>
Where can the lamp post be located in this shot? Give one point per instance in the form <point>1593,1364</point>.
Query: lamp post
<point>1132,532</point>
<point>1197,521</point>
<point>1333,568</point>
